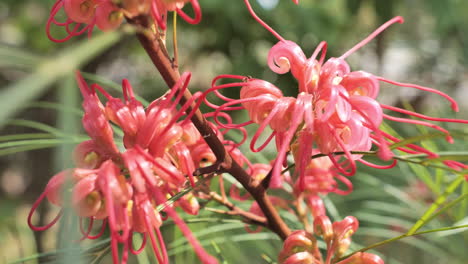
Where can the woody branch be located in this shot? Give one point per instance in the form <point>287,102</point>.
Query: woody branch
<point>164,65</point>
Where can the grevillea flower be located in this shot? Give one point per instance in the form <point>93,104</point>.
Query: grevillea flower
<point>83,15</point>
<point>124,188</point>
<point>300,247</point>
<point>335,109</point>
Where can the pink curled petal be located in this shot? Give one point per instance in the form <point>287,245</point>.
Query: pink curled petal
<point>257,87</point>
<point>287,56</point>
<point>300,258</point>
<point>368,107</point>
<point>332,72</point>
<point>361,83</point>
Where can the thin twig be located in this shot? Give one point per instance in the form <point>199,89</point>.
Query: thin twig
<point>248,217</point>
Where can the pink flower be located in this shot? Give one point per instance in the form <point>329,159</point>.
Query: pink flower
<point>335,109</point>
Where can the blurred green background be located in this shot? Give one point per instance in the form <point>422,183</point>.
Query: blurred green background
<point>40,112</point>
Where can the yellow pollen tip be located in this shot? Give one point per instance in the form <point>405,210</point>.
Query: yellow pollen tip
<point>91,157</point>
<point>115,16</point>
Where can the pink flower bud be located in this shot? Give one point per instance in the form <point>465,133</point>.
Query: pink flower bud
<point>298,241</point>
<point>299,258</point>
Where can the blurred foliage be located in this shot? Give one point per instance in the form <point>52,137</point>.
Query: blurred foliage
<point>35,72</point>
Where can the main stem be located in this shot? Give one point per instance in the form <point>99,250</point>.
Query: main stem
<point>227,164</point>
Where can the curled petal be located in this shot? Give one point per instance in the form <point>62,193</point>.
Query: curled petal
<point>287,56</point>
<point>332,72</point>
<point>368,108</point>
<point>361,83</point>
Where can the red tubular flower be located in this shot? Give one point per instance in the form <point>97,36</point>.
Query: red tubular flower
<point>125,188</point>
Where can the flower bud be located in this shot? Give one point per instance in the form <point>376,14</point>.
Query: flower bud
<point>323,227</point>
<point>362,258</point>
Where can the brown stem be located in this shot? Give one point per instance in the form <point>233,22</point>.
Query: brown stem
<point>157,54</point>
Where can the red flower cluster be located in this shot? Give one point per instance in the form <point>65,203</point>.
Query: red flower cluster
<point>124,188</point>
